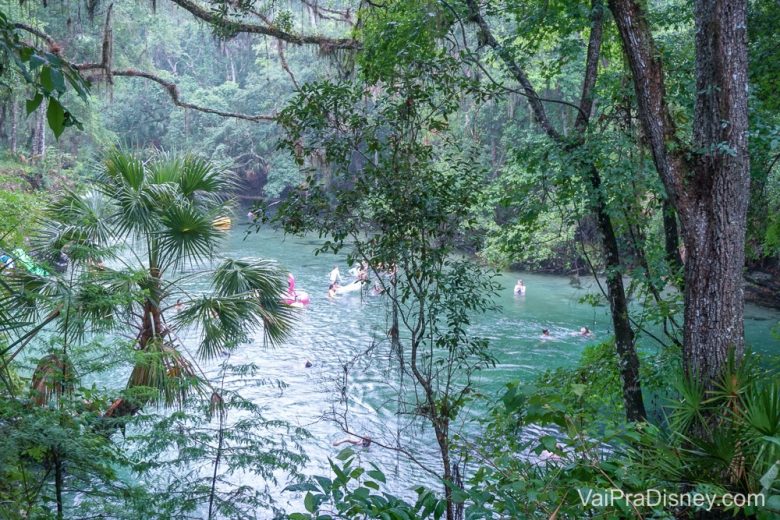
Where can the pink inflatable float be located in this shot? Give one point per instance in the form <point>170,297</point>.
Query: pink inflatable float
<point>294,298</point>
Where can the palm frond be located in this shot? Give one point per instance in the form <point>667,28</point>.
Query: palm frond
<point>226,322</point>
<point>165,169</point>
<point>187,235</point>
<point>77,225</point>
<point>234,277</point>
<point>201,178</point>
<point>263,283</point>
<point>123,169</point>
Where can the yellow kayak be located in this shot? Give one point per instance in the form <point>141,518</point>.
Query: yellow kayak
<point>222,223</point>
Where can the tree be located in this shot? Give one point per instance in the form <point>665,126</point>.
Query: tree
<point>707,176</point>
<point>406,193</point>
<point>571,147</point>
<point>137,255</point>
<point>151,220</point>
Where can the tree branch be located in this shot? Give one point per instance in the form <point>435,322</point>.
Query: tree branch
<point>173,91</point>
<point>105,73</point>
<point>591,66</point>
<point>329,14</point>
<point>647,70</point>
<point>516,70</point>
<point>323,42</point>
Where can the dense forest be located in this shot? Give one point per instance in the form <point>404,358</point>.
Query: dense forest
<point>170,167</point>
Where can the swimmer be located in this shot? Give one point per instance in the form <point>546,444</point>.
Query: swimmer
<point>546,334</point>
<point>585,332</point>
<point>332,289</point>
<point>308,364</point>
<point>179,306</point>
<point>520,288</point>
<point>364,442</point>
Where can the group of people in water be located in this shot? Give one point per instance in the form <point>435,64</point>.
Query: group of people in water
<point>585,332</point>
<point>360,272</point>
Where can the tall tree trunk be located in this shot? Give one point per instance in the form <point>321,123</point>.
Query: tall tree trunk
<point>39,134</point>
<point>58,485</point>
<point>709,185</point>
<point>442,438</point>
<point>628,360</point>
<point>14,125</point>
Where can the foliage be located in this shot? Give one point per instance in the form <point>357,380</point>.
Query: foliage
<point>138,246</point>
<point>572,440</point>
<point>45,71</point>
<point>356,493</point>
<point>398,193</point>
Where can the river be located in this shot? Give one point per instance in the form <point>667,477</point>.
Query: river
<point>332,333</point>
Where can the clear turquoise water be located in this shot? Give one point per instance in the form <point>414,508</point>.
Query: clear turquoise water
<point>332,333</point>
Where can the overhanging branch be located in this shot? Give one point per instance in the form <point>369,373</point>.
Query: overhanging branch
<point>105,73</point>
<point>324,42</point>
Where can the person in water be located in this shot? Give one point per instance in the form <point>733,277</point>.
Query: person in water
<point>546,333</point>
<point>365,442</point>
<point>519,287</point>
<point>585,331</point>
<point>332,289</point>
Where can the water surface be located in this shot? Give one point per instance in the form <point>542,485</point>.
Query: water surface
<point>334,333</point>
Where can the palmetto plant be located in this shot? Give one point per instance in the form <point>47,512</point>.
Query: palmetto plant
<point>144,265</point>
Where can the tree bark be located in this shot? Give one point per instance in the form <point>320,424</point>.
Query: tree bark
<point>39,139</point>
<point>628,360</point>
<point>708,185</point>
<point>58,485</point>
<point>14,125</point>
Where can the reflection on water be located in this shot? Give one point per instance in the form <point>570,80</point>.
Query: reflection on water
<point>332,334</point>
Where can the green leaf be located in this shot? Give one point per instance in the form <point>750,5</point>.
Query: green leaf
<point>57,80</point>
<point>376,475</point>
<point>769,477</point>
<point>303,486</point>
<point>325,483</point>
<point>308,502</point>
<point>345,454</point>
<point>45,79</point>
<point>33,104</point>
<point>36,61</point>
<point>55,114</point>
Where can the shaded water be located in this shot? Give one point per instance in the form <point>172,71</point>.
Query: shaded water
<point>335,333</point>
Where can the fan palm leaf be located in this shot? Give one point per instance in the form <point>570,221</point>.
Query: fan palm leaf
<point>186,236</point>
